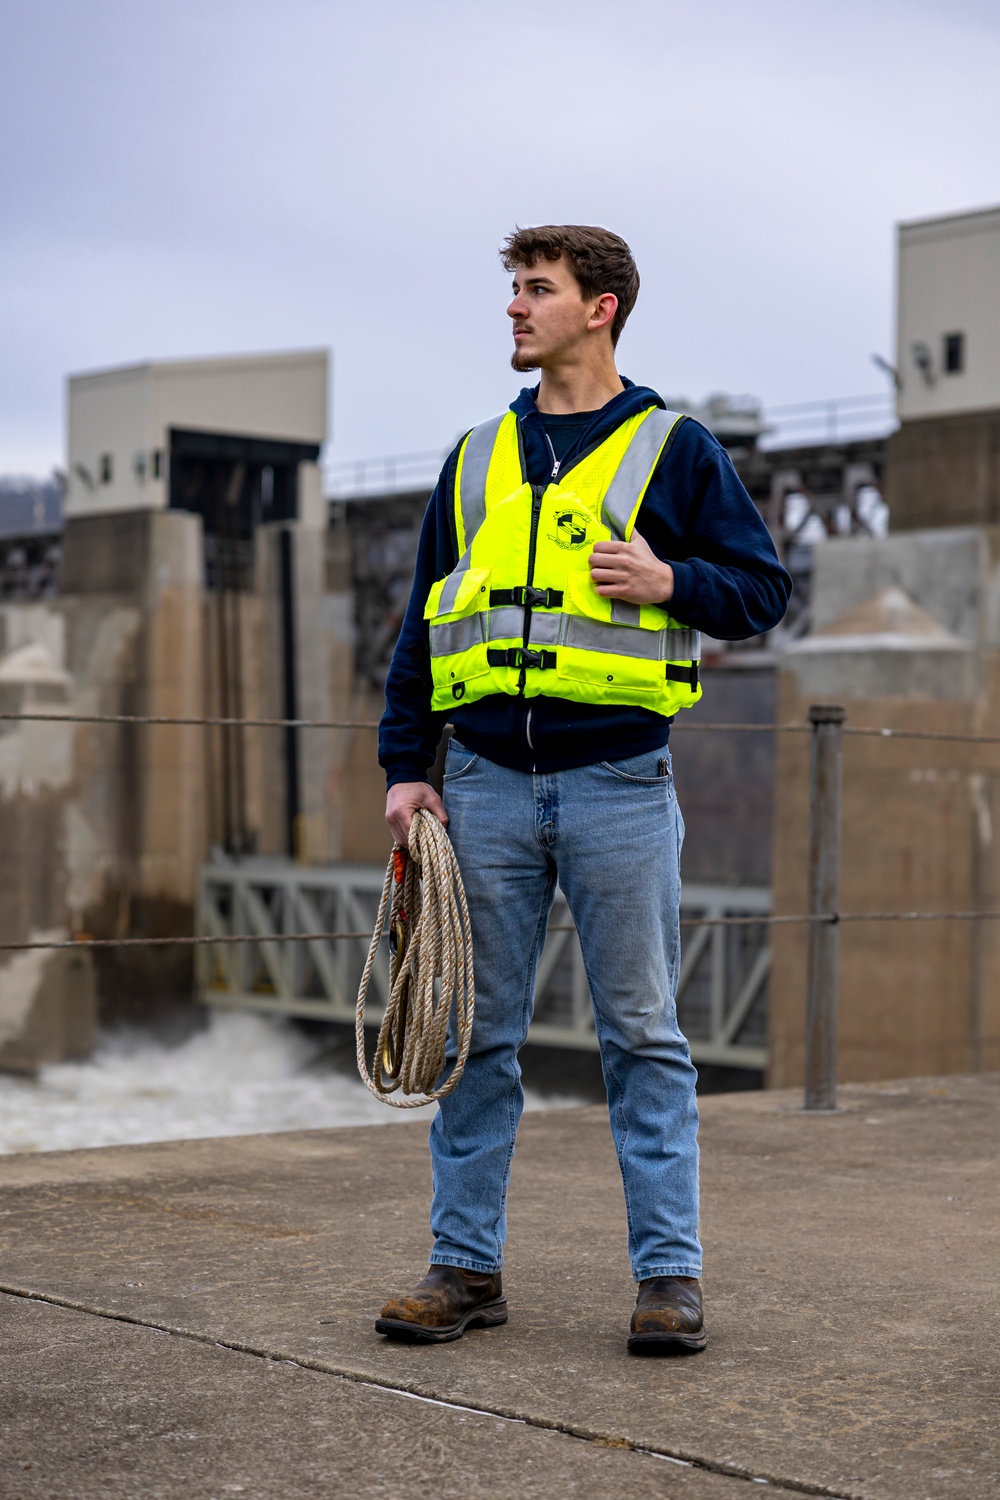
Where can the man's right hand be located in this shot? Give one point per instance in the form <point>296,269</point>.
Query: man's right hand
<point>402,802</point>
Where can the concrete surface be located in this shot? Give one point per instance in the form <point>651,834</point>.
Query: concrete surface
<point>96,1407</point>
<point>851,1287</point>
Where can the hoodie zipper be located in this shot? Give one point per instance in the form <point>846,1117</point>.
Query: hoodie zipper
<point>555,461</point>
<point>537,491</point>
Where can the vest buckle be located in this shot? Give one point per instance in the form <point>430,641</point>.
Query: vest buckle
<point>521,657</point>
<point>532,598</point>
<point>544,660</point>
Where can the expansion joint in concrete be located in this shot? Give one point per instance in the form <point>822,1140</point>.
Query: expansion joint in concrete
<point>415,1392</point>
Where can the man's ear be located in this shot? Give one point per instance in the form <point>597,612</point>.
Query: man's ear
<point>604,311</point>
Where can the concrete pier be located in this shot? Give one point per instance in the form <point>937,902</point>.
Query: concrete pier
<point>195,1319</point>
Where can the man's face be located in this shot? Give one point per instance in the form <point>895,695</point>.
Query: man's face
<point>548,313</point>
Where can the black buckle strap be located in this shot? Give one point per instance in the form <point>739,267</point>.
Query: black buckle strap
<point>521,656</point>
<point>528,597</point>
<point>683,674</point>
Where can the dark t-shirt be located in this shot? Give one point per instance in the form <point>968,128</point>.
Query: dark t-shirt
<point>562,431</point>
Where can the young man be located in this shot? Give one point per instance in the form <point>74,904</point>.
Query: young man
<point>572,550</point>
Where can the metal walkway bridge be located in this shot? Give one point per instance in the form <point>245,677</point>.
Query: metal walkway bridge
<point>722,994</point>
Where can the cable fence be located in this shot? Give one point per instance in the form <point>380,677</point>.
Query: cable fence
<point>823,919</point>
<point>849,730</point>
<point>757,919</point>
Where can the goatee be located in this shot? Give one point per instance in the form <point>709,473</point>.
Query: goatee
<point>522,362</point>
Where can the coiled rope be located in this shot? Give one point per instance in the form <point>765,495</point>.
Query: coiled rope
<point>430,970</point>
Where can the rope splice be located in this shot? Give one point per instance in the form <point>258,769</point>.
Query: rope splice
<point>430,970</point>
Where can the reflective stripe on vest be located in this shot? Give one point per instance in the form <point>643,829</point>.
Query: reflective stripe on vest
<point>470,481</point>
<point>625,492</point>
<point>473,469</point>
<point>454,583</point>
<point>452,636</point>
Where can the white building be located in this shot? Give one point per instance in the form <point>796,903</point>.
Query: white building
<point>943,462</point>
<point>948,349</point>
<point>136,432</point>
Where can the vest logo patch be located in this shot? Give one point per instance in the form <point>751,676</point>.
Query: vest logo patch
<point>571,529</point>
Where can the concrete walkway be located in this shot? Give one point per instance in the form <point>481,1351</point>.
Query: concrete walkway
<point>195,1319</point>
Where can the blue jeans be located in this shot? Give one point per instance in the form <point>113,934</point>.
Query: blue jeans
<point>611,834</point>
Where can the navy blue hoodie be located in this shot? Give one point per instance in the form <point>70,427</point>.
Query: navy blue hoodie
<point>695,515</point>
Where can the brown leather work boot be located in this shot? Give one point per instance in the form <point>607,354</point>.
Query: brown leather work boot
<point>667,1317</point>
<point>442,1306</point>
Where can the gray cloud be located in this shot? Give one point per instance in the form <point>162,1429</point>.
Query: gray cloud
<point>196,178</point>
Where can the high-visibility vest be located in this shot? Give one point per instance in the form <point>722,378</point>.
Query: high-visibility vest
<point>519,613</point>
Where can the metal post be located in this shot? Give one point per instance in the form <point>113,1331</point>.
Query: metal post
<point>290,696</point>
<point>824,897</point>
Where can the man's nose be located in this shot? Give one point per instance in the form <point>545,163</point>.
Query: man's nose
<point>517,309</point>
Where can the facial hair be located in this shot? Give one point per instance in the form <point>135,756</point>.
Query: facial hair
<point>522,362</point>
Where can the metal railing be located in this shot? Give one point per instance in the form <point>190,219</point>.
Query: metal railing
<point>396,473</point>
<point>800,423</point>
<point>838,420</point>
<point>283,967</point>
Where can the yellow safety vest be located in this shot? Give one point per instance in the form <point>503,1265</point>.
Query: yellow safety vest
<point>519,614</point>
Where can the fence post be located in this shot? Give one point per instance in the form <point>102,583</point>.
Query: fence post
<point>824,898</point>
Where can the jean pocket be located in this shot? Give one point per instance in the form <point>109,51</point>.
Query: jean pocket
<point>459,761</point>
<point>649,769</point>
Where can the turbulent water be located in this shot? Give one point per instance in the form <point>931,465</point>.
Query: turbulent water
<point>243,1074</point>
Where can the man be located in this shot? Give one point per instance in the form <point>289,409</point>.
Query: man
<point>570,554</point>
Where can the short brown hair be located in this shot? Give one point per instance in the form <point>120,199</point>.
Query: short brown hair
<point>600,261</point>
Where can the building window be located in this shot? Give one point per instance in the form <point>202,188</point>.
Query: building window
<point>954,353</point>
<point>105,468</point>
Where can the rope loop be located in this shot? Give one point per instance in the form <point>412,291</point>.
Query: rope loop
<point>423,900</point>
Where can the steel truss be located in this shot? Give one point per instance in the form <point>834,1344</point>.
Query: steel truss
<point>721,994</point>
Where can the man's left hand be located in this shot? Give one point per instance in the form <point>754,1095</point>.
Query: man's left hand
<point>632,571</point>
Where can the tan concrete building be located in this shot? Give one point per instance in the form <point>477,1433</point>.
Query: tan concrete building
<point>906,634</point>
<point>197,581</point>
<point>126,426</point>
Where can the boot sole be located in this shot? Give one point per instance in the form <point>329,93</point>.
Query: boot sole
<point>490,1316</point>
<point>667,1343</point>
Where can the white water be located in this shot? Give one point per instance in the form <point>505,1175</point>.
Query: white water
<point>243,1075</point>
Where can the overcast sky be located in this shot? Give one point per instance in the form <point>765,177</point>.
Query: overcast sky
<point>187,177</point>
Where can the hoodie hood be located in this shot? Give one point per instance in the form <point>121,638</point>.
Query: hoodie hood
<point>538,459</point>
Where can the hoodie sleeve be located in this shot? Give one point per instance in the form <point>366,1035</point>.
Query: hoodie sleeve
<point>409,730</point>
<point>697,516</point>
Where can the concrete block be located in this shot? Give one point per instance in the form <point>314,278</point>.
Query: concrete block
<point>105,554</point>
<point>725,782</point>
<point>951,573</point>
<point>48,1006</point>
<point>905,637</point>
<point>887,646</point>
<point>918,821</point>
<point>944,470</point>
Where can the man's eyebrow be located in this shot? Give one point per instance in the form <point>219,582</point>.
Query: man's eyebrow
<point>536,281</point>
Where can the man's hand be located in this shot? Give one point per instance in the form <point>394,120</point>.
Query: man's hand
<point>631,571</point>
<point>402,802</point>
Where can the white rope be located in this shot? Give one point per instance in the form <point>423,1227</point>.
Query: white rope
<point>431,971</point>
